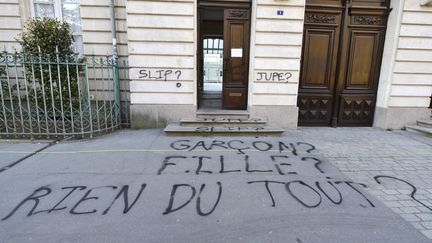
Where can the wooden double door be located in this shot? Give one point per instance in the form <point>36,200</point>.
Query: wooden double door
<point>236,35</point>
<point>343,43</point>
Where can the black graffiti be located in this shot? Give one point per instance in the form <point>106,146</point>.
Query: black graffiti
<point>161,74</point>
<point>316,164</point>
<point>228,128</point>
<point>33,197</point>
<point>318,185</point>
<point>242,146</point>
<point>80,207</point>
<point>125,192</point>
<point>274,76</point>
<point>233,120</point>
<point>303,188</point>
<point>170,208</point>
<point>84,198</point>
<point>238,164</point>
<point>279,165</point>
<point>297,197</point>
<point>413,188</point>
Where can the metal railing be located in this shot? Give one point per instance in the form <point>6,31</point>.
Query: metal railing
<point>50,95</point>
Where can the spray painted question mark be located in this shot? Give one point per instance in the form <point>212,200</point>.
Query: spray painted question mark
<point>288,75</point>
<point>178,72</point>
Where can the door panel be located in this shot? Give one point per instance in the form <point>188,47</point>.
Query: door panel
<point>364,38</point>
<point>319,62</point>
<point>236,59</point>
<point>317,54</point>
<point>349,92</point>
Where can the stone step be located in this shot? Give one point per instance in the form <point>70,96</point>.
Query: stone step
<point>425,123</point>
<point>178,130</point>
<point>211,97</point>
<point>203,113</point>
<point>223,122</point>
<point>213,104</point>
<point>419,129</point>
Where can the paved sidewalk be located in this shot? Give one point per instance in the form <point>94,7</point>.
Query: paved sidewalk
<point>363,153</point>
<point>142,186</point>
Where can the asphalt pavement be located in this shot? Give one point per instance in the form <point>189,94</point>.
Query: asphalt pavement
<point>142,186</point>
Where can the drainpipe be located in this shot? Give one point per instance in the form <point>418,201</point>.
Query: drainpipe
<point>115,62</point>
<point>113,29</point>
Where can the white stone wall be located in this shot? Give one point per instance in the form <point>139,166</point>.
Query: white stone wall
<point>162,50</point>
<point>406,75</point>
<point>275,49</point>
<point>12,18</point>
<point>96,27</point>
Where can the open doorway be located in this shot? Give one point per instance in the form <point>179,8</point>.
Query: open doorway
<point>223,54</point>
<point>211,29</point>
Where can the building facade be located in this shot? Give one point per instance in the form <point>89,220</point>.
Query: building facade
<point>292,62</point>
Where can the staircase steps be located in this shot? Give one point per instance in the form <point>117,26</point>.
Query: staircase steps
<point>179,130</point>
<point>222,123</point>
<point>425,123</point>
<point>209,113</point>
<point>424,130</point>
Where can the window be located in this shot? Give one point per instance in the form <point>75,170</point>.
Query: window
<point>67,10</point>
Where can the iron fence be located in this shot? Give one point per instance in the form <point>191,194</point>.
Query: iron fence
<point>51,95</point>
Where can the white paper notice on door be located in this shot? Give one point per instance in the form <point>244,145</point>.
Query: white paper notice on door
<point>236,52</point>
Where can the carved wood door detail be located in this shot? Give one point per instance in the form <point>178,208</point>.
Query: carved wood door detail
<point>341,58</point>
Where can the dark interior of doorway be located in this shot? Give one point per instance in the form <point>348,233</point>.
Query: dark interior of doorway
<point>211,34</point>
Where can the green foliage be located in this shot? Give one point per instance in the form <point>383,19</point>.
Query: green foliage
<point>50,63</point>
<point>47,34</point>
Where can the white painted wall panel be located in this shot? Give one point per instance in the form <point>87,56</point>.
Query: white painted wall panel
<point>161,8</point>
<point>187,75</point>
<point>161,21</point>
<point>278,38</point>
<point>162,48</point>
<point>416,30</point>
<point>100,12</point>
<point>415,43</point>
<point>277,48</point>
<point>10,25</point>
<point>9,35</point>
<point>278,51</point>
<point>161,38</point>
<point>414,55</point>
<point>162,98</point>
<point>418,17</point>
<point>279,25</point>
<point>277,64</point>
<point>290,12</point>
<point>292,78</point>
<point>102,25</point>
<point>274,100</point>
<point>413,67</point>
<point>414,5</point>
<point>162,87</point>
<point>161,35</point>
<point>96,27</point>
<point>9,10</point>
<point>275,88</point>
<point>300,3</point>
<point>413,79</point>
<point>161,61</point>
<point>409,102</point>
<point>412,91</point>
<point>412,71</point>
